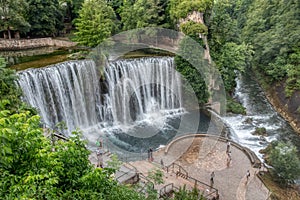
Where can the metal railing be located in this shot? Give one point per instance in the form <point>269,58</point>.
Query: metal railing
<point>147,183</point>
<point>132,169</point>
<point>177,169</point>
<point>211,191</point>
<point>167,189</point>
<point>201,186</point>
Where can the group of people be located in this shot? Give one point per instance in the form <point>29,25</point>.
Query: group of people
<point>229,158</point>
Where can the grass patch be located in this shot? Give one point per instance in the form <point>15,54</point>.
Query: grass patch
<point>279,193</point>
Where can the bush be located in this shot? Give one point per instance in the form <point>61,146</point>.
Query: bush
<point>235,107</point>
<point>260,131</point>
<point>285,161</point>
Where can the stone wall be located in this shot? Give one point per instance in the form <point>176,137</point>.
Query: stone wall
<point>15,44</point>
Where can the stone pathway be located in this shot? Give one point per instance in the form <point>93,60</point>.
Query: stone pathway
<point>199,156</point>
<point>202,155</point>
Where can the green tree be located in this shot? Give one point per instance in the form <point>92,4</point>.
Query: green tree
<point>143,13</point>
<point>192,74</point>
<point>9,91</point>
<point>180,9</point>
<point>13,17</point>
<point>127,15</point>
<point>284,158</point>
<point>228,52</point>
<point>31,167</point>
<point>230,59</point>
<point>45,17</point>
<point>72,8</point>
<point>96,22</point>
<point>272,28</point>
<point>223,25</point>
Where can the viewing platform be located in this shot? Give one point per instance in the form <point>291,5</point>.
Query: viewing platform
<point>190,159</point>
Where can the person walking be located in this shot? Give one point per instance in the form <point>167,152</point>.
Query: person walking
<point>228,146</point>
<point>248,175</point>
<point>99,158</point>
<point>162,163</point>
<point>151,154</point>
<point>212,176</point>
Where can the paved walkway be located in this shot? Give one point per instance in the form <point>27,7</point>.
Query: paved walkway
<point>199,156</point>
<point>202,155</point>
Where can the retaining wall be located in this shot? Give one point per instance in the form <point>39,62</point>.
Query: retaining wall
<point>15,44</point>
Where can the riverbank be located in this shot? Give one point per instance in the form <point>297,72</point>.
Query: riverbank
<point>287,107</point>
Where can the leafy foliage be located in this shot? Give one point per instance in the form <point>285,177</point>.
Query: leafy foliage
<point>231,59</point>
<point>192,75</point>
<point>142,13</point>
<point>184,194</point>
<point>72,8</point>
<point>192,28</point>
<point>284,158</point>
<point>180,9</point>
<point>12,14</point>
<point>234,107</point>
<point>96,22</point>
<point>272,27</point>
<point>229,53</point>
<point>45,17</point>
<point>33,168</point>
<point>8,88</point>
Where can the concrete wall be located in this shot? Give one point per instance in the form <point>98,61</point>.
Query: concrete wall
<point>15,44</point>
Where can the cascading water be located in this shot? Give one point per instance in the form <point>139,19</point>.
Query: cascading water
<point>66,92</point>
<point>133,90</point>
<point>259,114</point>
<point>138,87</point>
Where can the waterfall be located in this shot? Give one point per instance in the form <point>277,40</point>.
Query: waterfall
<point>131,89</point>
<point>65,92</point>
<point>142,86</point>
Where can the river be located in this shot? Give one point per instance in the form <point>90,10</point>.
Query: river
<point>260,113</point>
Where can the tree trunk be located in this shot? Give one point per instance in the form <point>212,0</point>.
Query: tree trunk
<point>9,33</point>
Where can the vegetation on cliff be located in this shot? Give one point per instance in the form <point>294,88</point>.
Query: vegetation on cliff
<point>285,161</point>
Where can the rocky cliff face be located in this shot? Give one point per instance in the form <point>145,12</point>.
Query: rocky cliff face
<point>198,17</point>
<point>288,107</point>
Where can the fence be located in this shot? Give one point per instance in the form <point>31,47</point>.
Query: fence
<point>167,189</point>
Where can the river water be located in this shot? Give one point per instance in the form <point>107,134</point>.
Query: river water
<point>260,113</point>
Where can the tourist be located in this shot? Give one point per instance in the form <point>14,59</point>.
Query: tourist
<point>229,156</point>
<point>99,158</point>
<point>228,146</point>
<point>212,176</point>
<point>151,154</point>
<point>248,175</point>
<point>162,164</point>
<point>98,153</point>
